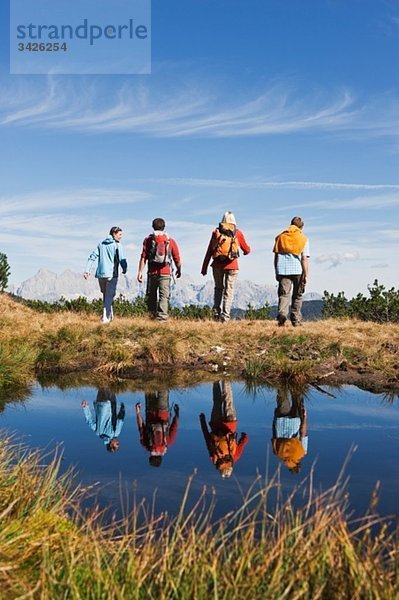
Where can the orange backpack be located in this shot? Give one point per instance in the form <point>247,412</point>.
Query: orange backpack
<point>225,242</point>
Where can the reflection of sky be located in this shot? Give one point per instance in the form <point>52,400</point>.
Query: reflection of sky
<point>51,416</point>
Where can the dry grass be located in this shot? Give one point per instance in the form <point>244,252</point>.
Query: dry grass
<point>66,342</point>
<point>47,550</point>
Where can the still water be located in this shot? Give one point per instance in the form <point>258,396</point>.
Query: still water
<point>165,435</point>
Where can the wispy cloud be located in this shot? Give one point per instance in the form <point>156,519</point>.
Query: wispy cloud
<point>337,259</point>
<point>56,200</point>
<point>189,111</point>
<point>258,184</point>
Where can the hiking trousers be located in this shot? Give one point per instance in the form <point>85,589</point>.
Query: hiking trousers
<point>158,296</point>
<point>225,280</point>
<point>223,409</point>
<point>108,290</point>
<point>288,283</point>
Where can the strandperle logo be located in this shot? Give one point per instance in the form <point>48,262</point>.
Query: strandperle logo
<point>80,37</point>
<point>84,31</point>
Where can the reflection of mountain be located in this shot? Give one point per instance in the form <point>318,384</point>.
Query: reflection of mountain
<point>49,286</point>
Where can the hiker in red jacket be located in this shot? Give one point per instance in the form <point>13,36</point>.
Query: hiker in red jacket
<point>224,246</point>
<point>157,433</point>
<point>221,440</point>
<point>159,250</point>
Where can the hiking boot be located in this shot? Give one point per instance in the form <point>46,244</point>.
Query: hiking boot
<point>296,323</point>
<point>281,319</point>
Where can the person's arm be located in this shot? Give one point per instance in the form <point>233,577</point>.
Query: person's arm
<point>122,258</point>
<point>139,417</point>
<point>90,262</point>
<point>275,261</point>
<point>143,260</point>
<point>245,247</point>
<point>305,269</point>
<point>174,425</point>
<point>207,258</point>
<point>174,248</point>
<point>207,435</point>
<point>88,416</point>
<point>240,446</point>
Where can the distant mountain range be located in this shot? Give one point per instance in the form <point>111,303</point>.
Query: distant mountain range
<point>49,286</point>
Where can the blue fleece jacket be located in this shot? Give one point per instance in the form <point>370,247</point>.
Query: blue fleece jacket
<point>102,423</point>
<point>105,254</point>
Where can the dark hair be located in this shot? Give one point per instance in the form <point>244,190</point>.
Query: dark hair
<point>114,230</point>
<point>158,224</point>
<point>155,461</point>
<point>298,222</point>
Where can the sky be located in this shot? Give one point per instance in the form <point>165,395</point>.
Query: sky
<point>267,108</point>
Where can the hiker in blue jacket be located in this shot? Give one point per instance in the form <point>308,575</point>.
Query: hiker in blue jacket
<point>108,422</point>
<point>109,254</point>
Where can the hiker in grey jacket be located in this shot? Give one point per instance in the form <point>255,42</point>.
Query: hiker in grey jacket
<point>109,254</point>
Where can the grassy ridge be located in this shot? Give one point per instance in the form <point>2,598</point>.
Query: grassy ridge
<point>47,550</point>
<point>350,351</point>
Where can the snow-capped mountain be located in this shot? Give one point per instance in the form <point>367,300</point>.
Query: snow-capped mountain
<point>49,286</point>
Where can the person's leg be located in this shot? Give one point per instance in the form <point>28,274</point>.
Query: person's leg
<point>152,292</point>
<point>297,299</point>
<point>230,278</point>
<point>218,277</point>
<point>228,402</point>
<point>110,291</point>
<point>217,407</point>
<point>284,291</point>
<point>164,295</point>
<point>163,400</point>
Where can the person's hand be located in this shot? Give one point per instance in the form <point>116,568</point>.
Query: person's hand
<point>202,416</point>
<point>178,272</point>
<point>86,275</point>
<point>138,407</point>
<point>244,435</point>
<point>84,403</point>
<point>140,277</point>
<point>204,271</point>
<point>176,409</point>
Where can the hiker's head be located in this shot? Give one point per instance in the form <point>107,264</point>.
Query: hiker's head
<point>158,224</point>
<point>225,466</point>
<point>298,222</point>
<point>113,445</point>
<point>229,217</point>
<point>295,469</point>
<point>116,233</point>
<point>155,460</point>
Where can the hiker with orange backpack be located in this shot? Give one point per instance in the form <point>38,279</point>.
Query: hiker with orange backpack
<point>290,432</point>
<point>221,441</point>
<point>160,251</point>
<point>158,431</point>
<point>224,246</point>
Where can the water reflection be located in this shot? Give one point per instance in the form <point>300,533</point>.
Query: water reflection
<point>290,430</point>
<point>107,422</point>
<point>159,430</point>
<point>221,440</point>
<point>53,416</point>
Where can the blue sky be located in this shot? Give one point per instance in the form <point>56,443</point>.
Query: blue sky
<point>268,108</point>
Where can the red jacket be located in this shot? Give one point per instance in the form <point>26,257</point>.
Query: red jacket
<point>225,264</point>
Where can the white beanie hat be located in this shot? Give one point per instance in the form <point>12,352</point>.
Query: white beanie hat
<point>229,217</point>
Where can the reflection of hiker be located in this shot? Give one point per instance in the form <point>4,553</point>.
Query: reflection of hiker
<point>157,433</point>
<point>221,440</point>
<point>109,254</point>
<point>108,422</point>
<point>224,246</point>
<point>291,263</point>
<point>159,250</point>
<point>290,437</point>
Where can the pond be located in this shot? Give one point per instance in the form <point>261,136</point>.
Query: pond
<point>178,430</point>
